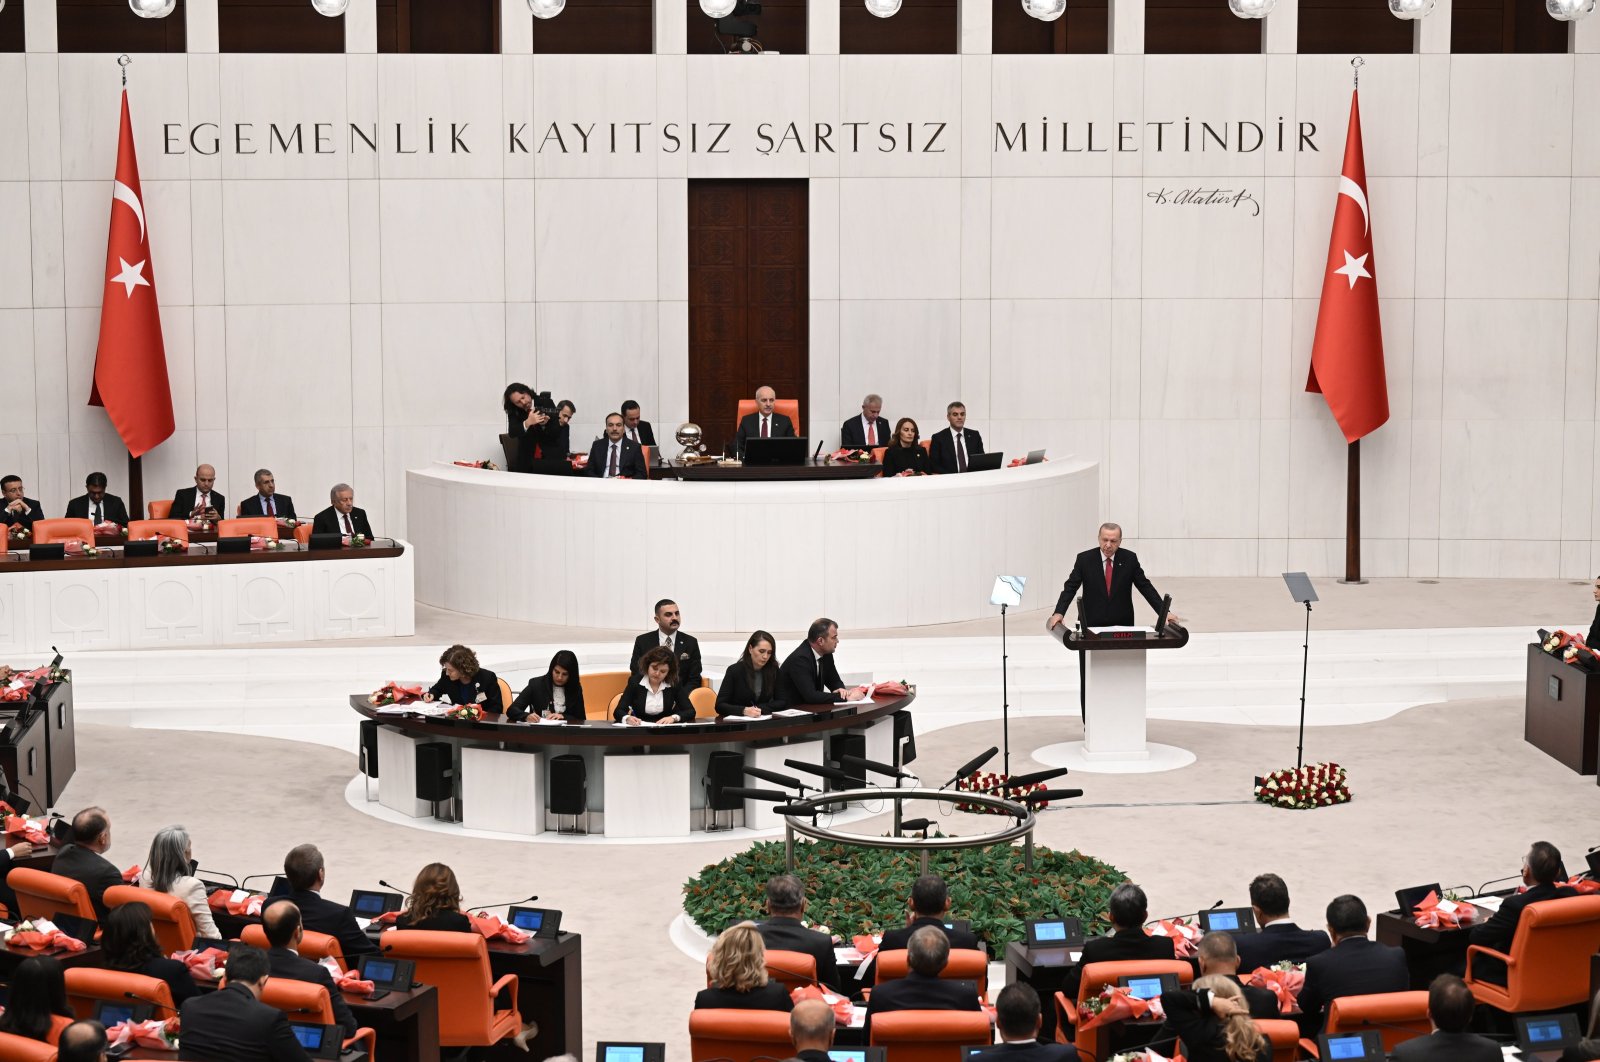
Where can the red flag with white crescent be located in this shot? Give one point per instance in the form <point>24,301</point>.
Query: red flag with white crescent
<point>1347,353</point>
<point>130,364</point>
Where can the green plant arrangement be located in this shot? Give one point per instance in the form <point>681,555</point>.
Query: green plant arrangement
<point>864,890</point>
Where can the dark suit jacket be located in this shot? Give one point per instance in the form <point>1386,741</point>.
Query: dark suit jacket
<point>1122,945</point>
<point>674,701</point>
<point>737,691</point>
<point>797,679</point>
<point>183,503</point>
<point>770,996</point>
<point>231,1025</point>
<point>439,922</point>
<point>327,522</point>
<point>787,934</point>
<point>630,459</point>
<point>1497,932</point>
<point>484,689</point>
<point>1278,942</point>
<point>853,434</point>
<point>647,434</point>
<point>111,507</point>
<point>1030,1051</point>
<point>546,438</point>
<point>900,937</point>
<point>282,505</point>
<point>750,428</point>
<point>1448,1047</point>
<point>1100,609</point>
<point>35,512</point>
<point>898,459</point>
<point>916,991</point>
<point>685,648</point>
<point>536,697</point>
<point>1355,966</point>
<point>290,966</point>
<point>1586,1051</point>
<point>325,916</point>
<point>813,1056</point>
<point>1192,1020</point>
<point>1594,630</point>
<point>175,974</point>
<point>93,869</point>
<point>942,450</point>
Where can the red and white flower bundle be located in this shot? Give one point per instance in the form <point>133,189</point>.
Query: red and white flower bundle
<point>994,784</point>
<point>392,692</point>
<point>1315,785</point>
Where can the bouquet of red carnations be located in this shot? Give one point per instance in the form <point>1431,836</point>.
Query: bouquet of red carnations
<point>1316,785</point>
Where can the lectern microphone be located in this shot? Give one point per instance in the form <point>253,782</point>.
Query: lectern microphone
<point>788,781</point>
<point>1045,795</point>
<point>916,824</point>
<point>822,772</point>
<point>970,766</point>
<point>872,765</point>
<point>1027,779</point>
<point>774,795</point>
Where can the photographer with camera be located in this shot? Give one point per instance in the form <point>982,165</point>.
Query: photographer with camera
<point>530,419</point>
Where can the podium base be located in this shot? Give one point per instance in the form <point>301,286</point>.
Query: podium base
<point>1153,759</point>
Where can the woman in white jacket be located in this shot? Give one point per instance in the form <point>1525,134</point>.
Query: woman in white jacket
<point>168,870</point>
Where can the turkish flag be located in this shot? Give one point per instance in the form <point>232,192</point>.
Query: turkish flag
<point>130,364</point>
<point>1347,354</point>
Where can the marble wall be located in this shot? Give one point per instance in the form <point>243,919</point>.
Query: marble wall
<point>349,314</point>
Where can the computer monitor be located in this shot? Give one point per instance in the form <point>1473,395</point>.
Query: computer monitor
<point>1228,920</point>
<point>109,1013</point>
<point>318,1041</point>
<point>1364,1046</point>
<point>986,462</point>
<point>788,451</point>
<point>1407,899</point>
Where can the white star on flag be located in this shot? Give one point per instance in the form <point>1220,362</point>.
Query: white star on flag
<point>1354,268</point>
<point>133,275</point>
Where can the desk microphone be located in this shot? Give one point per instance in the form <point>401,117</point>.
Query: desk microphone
<point>818,450</point>
<point>788,781</point>
<point>252,877</point>
<point>218,873</point>
<point>513,903</point>
<point>392,888</point>
<point>873,765</point>
<point>156,1003</point>
<point>1027,779</point>
<point>972,765</point>
<point>1496,881</point>
<point>1041,796</point>
<point>823,772</point>
<point>795,809</point>
<point>916,824</point>
<point>1174,918</point>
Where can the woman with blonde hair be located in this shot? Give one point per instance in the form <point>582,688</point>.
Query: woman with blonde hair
<point>1214,1023</point>
<point>737,970</point>
<point>435,902</point>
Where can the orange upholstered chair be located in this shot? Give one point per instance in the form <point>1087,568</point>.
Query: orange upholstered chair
<point>789,407</point>
<point>458,965</point>
<point>87,986</point>
<point>41,894</point>
<point>302,533</point>
<point>313,946</point>
<point>738,1035</point>
<point>139,530</point>
<point>704,700</point>
<point>1283,1035</point>
<point>306,1002</point>
<point>966,964</point>
<point>791,969</point>
<point>1096,976</point>
<point>647,452</point>
<point>599,689</point>
<point>1395,1016</point>
<point>169,916</point>
<point>265,526</point>
<point>1548,967</point>
<point>929,1035</point>
<point>21,1049</point>
<point>506,696</point>
<point>159,510</point>
<point>62,531</point>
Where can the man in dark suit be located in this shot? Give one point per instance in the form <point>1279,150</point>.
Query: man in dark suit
<point>1450,1006</point>
<point>95,505</point>
<point>682,646</point>
<point>811,1026</point>
<point>281,922</point>
<point>1354,966</point>
<point>869,429</point>
<point>232,1024</point>
<point>952,448</point>
<point>305,871</point>
<point>922,988</point>
<point>82,1041</point>
<point>1018,1019</point>
<point>1594,627</point>
<point>782,931</point>
<point>765,422</point>
<point>200,499</point>
<point>616,456</point>
<point>83,859</point>
<point>16,508</point>
<point>266,501</point>
<point>1127,910</point>
<point>342,517</point>
<point>1541,873</point>
<point>808,675</point>
<point>930,906</point>
<point>1279,939</point>
<point>1216,954</point>
<point>633,428</point>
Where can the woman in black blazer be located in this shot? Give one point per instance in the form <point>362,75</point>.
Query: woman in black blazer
<point>737,970</point>
<point>1213,1021</point>
<point>129,943</point>
<point>656,697</point>
<point>465,682</point>
<point>435,902</point>
<point>750,686</point>
<point>905,453</point>
<point>556,694</point>
<point>528,427</point>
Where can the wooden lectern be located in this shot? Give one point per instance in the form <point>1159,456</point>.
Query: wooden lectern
<point>1562,711</point>
<point>1114,723</point>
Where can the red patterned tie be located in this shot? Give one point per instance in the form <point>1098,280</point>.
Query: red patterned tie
<point>763,427</point>
<point>1108,576</point>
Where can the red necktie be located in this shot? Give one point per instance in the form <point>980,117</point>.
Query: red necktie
<point>272,510</point>
<point>763,427</point>
<point>872,433</point>
<point>1108,576</point>
<point>347,528</point>
<point>611,471</point>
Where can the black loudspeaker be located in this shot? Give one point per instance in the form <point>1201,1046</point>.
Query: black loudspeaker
<point>369,747</point>
<point>569,785</point>
<point>905,738</point>
<point>435,771</point>
<point>723,770</point>
<point>847,745</point>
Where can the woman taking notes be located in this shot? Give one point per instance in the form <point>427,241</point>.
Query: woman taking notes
<point>556,694</point>
<point>751,685</point>
<point>655,697</point>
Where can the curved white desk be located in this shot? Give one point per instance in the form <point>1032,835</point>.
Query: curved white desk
<point>741,556</point>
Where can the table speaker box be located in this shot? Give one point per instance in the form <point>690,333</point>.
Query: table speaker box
<point>369,747</point>
<point>724,769</point>
<point>847,745</point>
<point>435,771</point>
<point>569,785</point>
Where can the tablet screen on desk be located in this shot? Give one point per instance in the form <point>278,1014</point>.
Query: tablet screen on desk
<point>310,1036</point>
<point>529,919</point>
<point>1352,1047</point>
<point>1225,920</point>
<point>372,904</point>
<point>1547,1032</point>
<point>1144,987</point>
<point>109,1014</point>
<point>1050,932</point>
<point>378,970</point>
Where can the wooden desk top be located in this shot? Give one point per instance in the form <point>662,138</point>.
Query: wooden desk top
<point>14,561</point>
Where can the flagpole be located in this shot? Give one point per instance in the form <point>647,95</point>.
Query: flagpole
<point>1352,490</point>
<point>135,467</point>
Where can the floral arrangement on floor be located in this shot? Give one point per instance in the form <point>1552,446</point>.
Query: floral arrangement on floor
<point>1316,785</point>
<point>986,781</point>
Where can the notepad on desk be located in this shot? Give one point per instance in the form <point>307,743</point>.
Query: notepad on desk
<point>791,712</point>
<point>743,718</point>
<point>551,722</point>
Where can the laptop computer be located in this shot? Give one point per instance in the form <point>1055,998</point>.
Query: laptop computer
<point>1546,1036</point>
<point>318,1041</point>
<point>604,1052</point>
<point>1149,986</point>
<point>1228,920</point>
<point>1054,933</point>
<point>1364,1046</point>
<point>789,451</point>
<point>542,922</point>
<point>1406,900</point>
<point>986,462</point>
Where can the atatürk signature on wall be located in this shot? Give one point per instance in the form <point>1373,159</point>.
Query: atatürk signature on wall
<point>1206,197</point>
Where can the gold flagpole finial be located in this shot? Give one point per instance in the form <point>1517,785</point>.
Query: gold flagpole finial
<point>1355,69</point>
<point>123,61</point>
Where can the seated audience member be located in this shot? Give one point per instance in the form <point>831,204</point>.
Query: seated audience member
<point>83,859</point>
<point>20,850</point>
<point>1217,955</point>
<point>922,988</point>
<point>1587,1049</point>
<point>765,422</point>
<point>82,1041</point>
<point>129,942</point>
<point>654,695</point>
<point>167,869</point>
<point>95,505</point>
<point>558,436</point>
<point>200,502</point>
<point>1018,1019</point>
<point>1354,966</point>
<point>306,873</point>
<point>905,453</point>
<point>284,930</point>
<point>782,929</point>
<point>1213,1022</point>
<point>952,448</point>
<point>556,694</point>
<point>16,509</point>
<point>1450,1006</point>
<point>342,517</point>
<point>232,1024</point>
<point>526,423</point>
<point>668,635</point>
<point>1542,874</point>
<point>750,685</point>
<point>929,905</point>
<point>867,430</point>
<point>266,501</point>
<point>737,969</point>
<point>37,1007</point>
<point>615,456</point>
<point>638,430</point>
<point>1279,939</point>
<point>435,902</point>
<point>808,675</point>
<point>465,682</point>
<point>811,1027</point>
<point>1127,910</point>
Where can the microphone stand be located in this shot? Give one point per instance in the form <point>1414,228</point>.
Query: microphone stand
<point>1005,694</point>
<point>1305,667</point>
